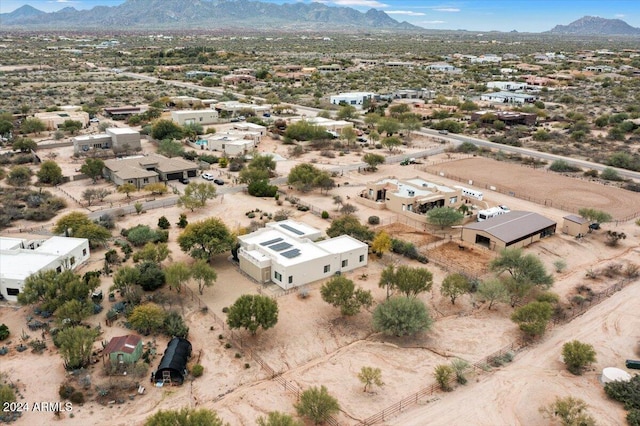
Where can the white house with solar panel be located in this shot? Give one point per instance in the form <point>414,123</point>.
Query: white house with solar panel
<point>288,254</point>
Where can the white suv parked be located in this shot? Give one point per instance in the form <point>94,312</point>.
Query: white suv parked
<point>207,176</point>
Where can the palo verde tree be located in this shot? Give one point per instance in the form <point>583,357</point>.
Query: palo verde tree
<point>455,285</point>
<point>276,418</point>
<point>593,215</point>
<point>410,281</point>
<point>570,411</point>
<point>533,318</point>
<point>373,160</point>
<point>166,129</point>
<point>76,345</point>
<point>444,216</point>
<point>317,405</point>
<point>203,274</point>
<point>205,239</point>
<point>50,289</point>
<point>253,311</point>
<point>370,376</point>
<point>147,318</point>
<point>196,195</point>
<point>341,292</point>
<point>185,417</point>
<point>177,273</point>
<point>350,225</point>
<point>304,177</point>
<point>70,223</point>
<point>577,356</point>
<point>50,173</point>
<point>401,316</point>
<point>525,272</point>
<point>92,167</point>
<point>127,189</point>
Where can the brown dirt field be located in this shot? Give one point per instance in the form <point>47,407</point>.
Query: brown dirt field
<point>407,233</point>
<point>561,192</point>
<point>472,259</point>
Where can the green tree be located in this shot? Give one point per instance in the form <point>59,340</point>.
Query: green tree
<point>4,332</point>
<point>71,126</point>
<point>92,167</point>
<point>166,129</point>
<point>411,281</point>
<point>147,318</point>
<point>253,311</point>
<point>276,418</point>
<point>593,215</point>
<point>151,252</point>
<point>19,176</point>
<point>324,182</point>
<point>349,134</point>
<point>455,285</point>
<point>396,111</point>
<point>341,292</point>
<point>32,125</point>
<point>381,243</point>
<point>156,188</point>
<point>388,125</point>
<point>96,234</point>
<point>6,126</point>
<point>163,223</point>
<point>347,112</point>
<point>177,273</point>
<point>74,311</point>
<point>577,356</point>
<point>493,290</point>
<point>50,289</point>
<point>151,276</point>
<point>444,216</point>
<point>70,223</point>
<point>76,346</point>
<point>401,316</point>
<point>570,411</point>
<point>203,274</point>
<point>317,405</point>
<point>185,417</point>
<point>444,375</point>
<point>127,189</point>
<point>373,160</point>
<point>391,142</point>
<point>50,173</point>
<point>350,225</point>
<point>525,272</point>
<point>170,148</point>
<point>24,145</point>
<point>303,177</point>
<point>125,279</point>
<point>533,318</point>
<point>197,194</point>
<point>370,376</point>
<point>206,238</point>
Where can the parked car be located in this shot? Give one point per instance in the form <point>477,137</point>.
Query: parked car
<point>505,208</point>
<point>218,181</point>
<point>266,114</point>
<point>444,132</point>
<point>184,180</point>
<point>207,176</point>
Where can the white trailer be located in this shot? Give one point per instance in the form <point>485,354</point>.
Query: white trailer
<point>489,213</point>
<point>470,193</point>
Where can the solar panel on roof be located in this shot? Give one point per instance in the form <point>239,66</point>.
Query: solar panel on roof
<point>292,229</point>
<point>280,246</point>
<point>275,240</point>
<point>291,253</point>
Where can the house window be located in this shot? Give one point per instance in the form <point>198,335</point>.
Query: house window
<point>327,268</point>
<point>12,291</point>
<point>277,276</point>
<point>290,279</point>
<point>200,118</point>
<point>145,180</point>
<point>59,269</point>
<point>72,260</point>
<point>453,200</point>
<point>84,252</point>
<point>361,258</point>
<point>345,263</point>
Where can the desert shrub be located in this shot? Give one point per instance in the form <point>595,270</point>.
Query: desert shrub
<point>197,370</point>
<point>563,166</point>
<point>4,332</point>
<point>444,374</point>
<point>65,391</point>
<point>373,220</point>
<point>77,397</point>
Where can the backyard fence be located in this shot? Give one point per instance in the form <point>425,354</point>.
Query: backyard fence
<point>594,300</point>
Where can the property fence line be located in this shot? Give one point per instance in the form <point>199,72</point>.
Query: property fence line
<point>595,300</point>
<point>496,188</point>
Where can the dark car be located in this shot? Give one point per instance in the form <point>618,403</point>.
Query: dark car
<point>184,180</point>
<point>218,181</point>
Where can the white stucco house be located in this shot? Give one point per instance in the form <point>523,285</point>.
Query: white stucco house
<point>355,99</point>
<point>288,254</point>
<point>20,258</point>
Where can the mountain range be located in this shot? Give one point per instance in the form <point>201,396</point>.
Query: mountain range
<point>593,25</point>
<point>202,15</point>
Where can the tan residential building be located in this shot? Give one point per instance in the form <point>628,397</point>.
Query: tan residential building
<point>118,139</point>
<point>54,119</point>
<point>411,197</point>
<point>198,116</point>
<point>145,169</point>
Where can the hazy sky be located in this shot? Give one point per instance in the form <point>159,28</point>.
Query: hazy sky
<point>475,15</point>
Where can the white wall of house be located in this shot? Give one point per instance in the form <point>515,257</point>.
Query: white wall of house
<point>201,116</point>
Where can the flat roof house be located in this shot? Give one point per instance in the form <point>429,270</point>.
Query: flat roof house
<point>287,254</point>
<point>508,97</point>
<point>145,169</point>
<point>352,98</point>
<point>118,139</point>
<point>508,117</point>
<point>196,116</point>
<point>54,119</point>
<point>20,258</point>
<point>410,197</point>
<point>513,230</point>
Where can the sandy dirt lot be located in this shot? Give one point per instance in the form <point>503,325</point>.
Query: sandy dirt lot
<point>311,345</point>
<point>559,191</point>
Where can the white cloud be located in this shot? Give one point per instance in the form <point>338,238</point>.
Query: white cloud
<point>446,9</point>
<point>403,12</point>
<point>367,3</point>
<point>619,15</point>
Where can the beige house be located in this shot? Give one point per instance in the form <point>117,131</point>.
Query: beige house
<point>145,169</point>
<point>411,197</point>
<point>54,119</point>
<point>118,139</point>
<point>288,254</point>
<point>574,225</point>
<point>511,230</point>
<point>198,116</point>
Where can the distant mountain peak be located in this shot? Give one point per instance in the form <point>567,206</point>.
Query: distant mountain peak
<point>594,25</point>
<point>205,14</point>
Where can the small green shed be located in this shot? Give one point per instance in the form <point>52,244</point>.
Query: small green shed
<point>124,349</point>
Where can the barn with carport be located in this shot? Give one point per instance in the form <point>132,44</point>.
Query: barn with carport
<point>512,230</point>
